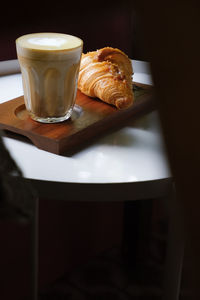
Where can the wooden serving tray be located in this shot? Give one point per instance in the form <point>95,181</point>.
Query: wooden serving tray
<point>91,117</point>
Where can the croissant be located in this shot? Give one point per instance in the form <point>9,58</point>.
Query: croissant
<point>107,75</point>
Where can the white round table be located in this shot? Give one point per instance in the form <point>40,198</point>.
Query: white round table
<point>134,154</point>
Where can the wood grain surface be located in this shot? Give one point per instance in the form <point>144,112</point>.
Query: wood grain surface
<point>91,117</point>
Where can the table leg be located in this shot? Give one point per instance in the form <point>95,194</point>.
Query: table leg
<point>34,249</point>
<point>175,251</point>
<point>137,220</point>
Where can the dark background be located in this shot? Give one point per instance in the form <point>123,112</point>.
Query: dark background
<point>98,24</point>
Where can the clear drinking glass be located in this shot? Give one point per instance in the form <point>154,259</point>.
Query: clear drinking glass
<point>49,64</point>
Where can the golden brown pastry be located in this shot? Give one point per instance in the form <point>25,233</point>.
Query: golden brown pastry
<point>107,74</point>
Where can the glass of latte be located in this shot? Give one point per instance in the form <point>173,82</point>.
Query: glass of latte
<point>49,64</point>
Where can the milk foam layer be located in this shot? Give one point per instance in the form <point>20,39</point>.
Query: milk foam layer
<point>49,41</point>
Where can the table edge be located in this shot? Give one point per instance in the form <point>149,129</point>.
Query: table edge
<point>116,191</point>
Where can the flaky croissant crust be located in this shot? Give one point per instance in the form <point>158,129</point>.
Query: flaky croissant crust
<point>107,74</point>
